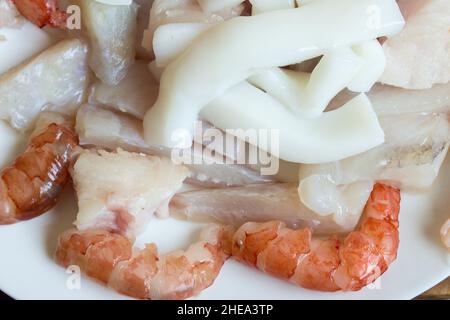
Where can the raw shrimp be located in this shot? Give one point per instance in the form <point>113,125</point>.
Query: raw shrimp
<point>32,185</point>
<point>42,12</point>
<point>330,264</point>
<point>445,233</point>
<point>108,258</point>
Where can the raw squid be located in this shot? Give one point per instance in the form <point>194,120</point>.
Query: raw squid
<point>419,56</point>
<point>260,6</point>
<point>415,147</point>
<point>42,12</point>
<point>134,95</point>
<point>59,76</point>
<point>32,184</point>
<point>121,191</point>
<point>326,264</point>
<point>101,127</point>
<point>188,84</point>
<point>445,233</point>
<point>176,11</point>
<point>245,109</point>
<point>110,259</point>
<point>260,203</point>
<point>112,31</point>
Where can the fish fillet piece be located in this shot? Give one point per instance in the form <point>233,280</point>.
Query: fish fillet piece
<point>112,31</point>
<point>9,16</point>
<point>419,56</point>
<point>258,203</point>
<point>388,100</point>
<point>98,126</point>
<point>134,95</point>
<point>55,80</point>
<point>120,191</point>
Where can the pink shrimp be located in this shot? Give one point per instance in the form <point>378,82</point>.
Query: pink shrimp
<point>32,185</point>
<point>445,233</point>
<point>42,12</point>
<point>108,258</point>
<point>330,264</point>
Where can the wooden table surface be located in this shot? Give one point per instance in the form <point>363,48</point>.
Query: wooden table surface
<point>441,291</point>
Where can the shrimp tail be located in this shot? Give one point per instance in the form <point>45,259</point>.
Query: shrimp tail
<point>326,264</point>
<point>33,184</point>
<point>42,12</point>
<point>109,258</point>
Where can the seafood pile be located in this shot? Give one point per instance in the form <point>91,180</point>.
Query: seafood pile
<point>147,108</point>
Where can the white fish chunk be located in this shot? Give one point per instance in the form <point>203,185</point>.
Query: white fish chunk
<point>415,147</point>
<point>55,80</point>
<point>419,56</point>
<point>9,16</point>
<point>121,191</point>
<point>134,95</point>
<point>21,42</point>
<point>258,203</point>
<point>389,100</point>
<point>112,31</point>
<point>100,127</point>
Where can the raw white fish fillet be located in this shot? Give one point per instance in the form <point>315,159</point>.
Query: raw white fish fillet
<point>21,42</point>
<point>97,126</point>
<point>9,16</point>
<point>55,80</point>
<point>258,203</point>
<point>389,100</point>
<point>174,11</point>
<point>121,191</point>
<point>135,94</point>
<point>419,56</point>
<point>112,31</point>
<point>415,147</point>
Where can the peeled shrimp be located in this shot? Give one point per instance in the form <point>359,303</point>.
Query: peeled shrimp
<point>445,233</point>
<point>326,264</point>
<point>32,185</point>
<point>42,12</point>
<point>108,258</point>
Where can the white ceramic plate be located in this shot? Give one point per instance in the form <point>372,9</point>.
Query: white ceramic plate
<point>27,270</point>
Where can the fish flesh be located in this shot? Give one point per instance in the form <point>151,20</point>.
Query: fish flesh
<point>388,100</point>
<point>134,94</point>
<point>260,203</point>
<point>59,78</point>
<point>419,56</point>
<point>112,31</point>
<point>100,127</point>
<point>120,191</point>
